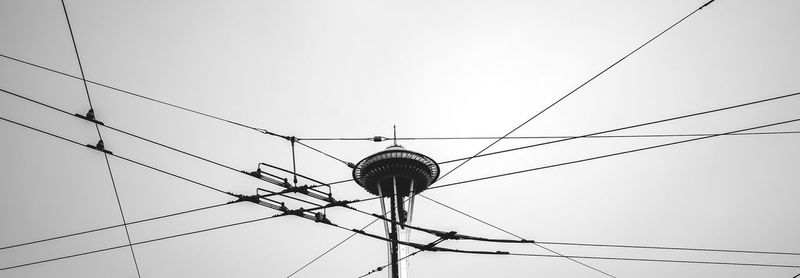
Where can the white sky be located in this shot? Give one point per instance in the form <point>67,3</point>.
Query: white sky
<point>433,68</point>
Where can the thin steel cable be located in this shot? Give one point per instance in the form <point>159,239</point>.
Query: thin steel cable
<point>114,226</point>
<point>549,136</point>
<point>130,93</point>
<point>100,136</point>
<point>141,242</point>
<point>577,88</point>
<point>502,253</point>
<point>609,155</point>
<point>515,235</point>
<point>380,268</point>
<point>329,250</point>
<point>668,248</point>
<point>158,144</point>
<point>325,154</point>
<point>634,126</point>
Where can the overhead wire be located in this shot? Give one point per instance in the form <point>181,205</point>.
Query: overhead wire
<point>105,125</point>
<point>519,237</point>
<point>548,136</point>
<point>610,155</point>
<point>573,91</point>
<point>113,226</point>
<point>577,88</point>
<point>100,142</point>
<point>638,125</point>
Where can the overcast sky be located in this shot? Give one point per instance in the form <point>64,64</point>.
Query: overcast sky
<point>434,69</point>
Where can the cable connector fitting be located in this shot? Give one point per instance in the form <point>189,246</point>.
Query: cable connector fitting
<point>256,173</point>
<point>89,117</point>
<point>320,217</point>
<point>379,139</point>
<point>244,198</point>
<point>706,4</point>
<point>100,147</point>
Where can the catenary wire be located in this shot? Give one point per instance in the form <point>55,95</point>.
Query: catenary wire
<point>155,143</point>
<point>114,226</point>
<point>634,126</point>
<point>609,155</point>
<point>97,128</point>
<point>574,90</point>
<point>82,145</point>
<point>544,136</point>
<point>519,237</point>
<point>577,88</point>
<point>503,253</point>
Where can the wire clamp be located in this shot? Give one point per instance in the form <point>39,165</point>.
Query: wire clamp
<point>320,217</point>
<point>256,173</point>
<point>100,147</point>
<point>89,117</point>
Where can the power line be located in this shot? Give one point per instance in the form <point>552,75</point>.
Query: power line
<point>577,88</point>
<point>504,253</point>
<point>100,143</point>
<point>519,237</point>
<point>155,143</point>
<point>156,239</point>
<point>668,248</point>
<point>141,242</point>
<point>609,155</point>
<point>114,226</point>
<point>380,268</point>
<point>542,136</point>
<point>639,125</point>
<point>330,249</point>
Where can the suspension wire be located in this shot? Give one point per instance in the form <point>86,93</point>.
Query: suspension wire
<point>161,145</point>
<point>610,155</point>
<point>449,161</point>
<point>544,136</point>
<point>142,242</point>
<point>330,249</point>
<point>161,238</point>
<point>130,93</point>
<point>668,248</point>
<point>514,235</point>
<point>645,124</point>
<point>380,268</point>
<point>576,89</point>
<point>115,226</point>
<point>378,218</point>
<point>100,143</point>
<point>351,165</point>
<point>504,253</point>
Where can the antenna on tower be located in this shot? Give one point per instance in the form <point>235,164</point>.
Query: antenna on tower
<point>395,134</point>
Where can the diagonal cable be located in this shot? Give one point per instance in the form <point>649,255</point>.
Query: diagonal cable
<point>577,88</point>
<point>100,136</point>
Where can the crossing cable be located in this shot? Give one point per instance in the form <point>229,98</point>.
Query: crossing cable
<point>158,144</point>
<point>610,155</point>
<point>100,145</point>
<point>130,93</point>
<point>114,226</point>
<point>662,135</point>
<point>643,124</point>
<point>519,237</point>
<point>573,162</point>
<point>506,253</point>
<point>577,88</point>
<point>157,239</point>
<point>380,268</point>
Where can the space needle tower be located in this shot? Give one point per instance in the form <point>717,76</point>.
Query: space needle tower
<point>396,175</point>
